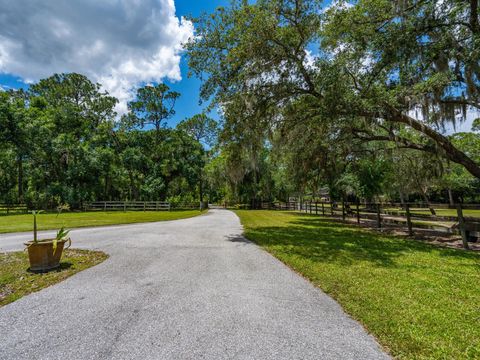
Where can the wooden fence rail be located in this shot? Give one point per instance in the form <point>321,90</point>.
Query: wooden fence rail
<point>13,208</point>
<point>414,217</point>
<point>128,205</point>
<point>137,206</point>
<point>111,206</point>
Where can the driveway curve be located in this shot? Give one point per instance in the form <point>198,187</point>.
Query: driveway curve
<point>184,289</point>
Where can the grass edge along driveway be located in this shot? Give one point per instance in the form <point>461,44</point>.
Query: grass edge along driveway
<point>16,281</point>
<point>420,301</point>
<point>50,221</point>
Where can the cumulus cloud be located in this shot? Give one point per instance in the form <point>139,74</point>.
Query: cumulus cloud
<point>118,43</point>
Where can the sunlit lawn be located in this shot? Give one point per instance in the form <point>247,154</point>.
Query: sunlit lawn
<point>24,222</point>
<point>420,301</point>
<point>16,281</point>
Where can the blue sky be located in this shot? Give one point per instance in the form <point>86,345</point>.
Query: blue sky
<point>30,61</point>
<point>187,105</point>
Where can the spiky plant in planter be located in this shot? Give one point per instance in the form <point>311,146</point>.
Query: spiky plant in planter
<point>45,255</point>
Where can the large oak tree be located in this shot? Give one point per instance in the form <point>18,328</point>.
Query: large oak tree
<point>377,63</point>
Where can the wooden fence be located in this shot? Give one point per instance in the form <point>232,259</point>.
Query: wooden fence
<point>137,206</point>
<point>6,209</point>
<point>13,208</point>
<point>412,217</point>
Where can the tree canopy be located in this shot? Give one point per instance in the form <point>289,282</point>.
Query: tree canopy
<point>61,142</point>
<point>333,85</point>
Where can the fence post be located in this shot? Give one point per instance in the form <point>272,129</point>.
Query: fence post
<point>343,209</point>
<point>310,207</point>
<point>379,217</point>
<point>124,206</point>
<point>331,207</point>
<point>461,225</point>
<point>409,220</point>
<point>323,208</point>
<point>358,211</point>
<point>144,205</point>
<point>316,207</point>
<point>104,206</point>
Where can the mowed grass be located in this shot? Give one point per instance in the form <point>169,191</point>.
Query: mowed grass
<point>16,281</point>
<point>420,301</point>
<point>24,222</point>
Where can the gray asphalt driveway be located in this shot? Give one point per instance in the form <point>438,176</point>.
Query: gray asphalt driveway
<point>186,289</point>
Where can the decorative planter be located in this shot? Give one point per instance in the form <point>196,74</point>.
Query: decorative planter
<point>41,255</point>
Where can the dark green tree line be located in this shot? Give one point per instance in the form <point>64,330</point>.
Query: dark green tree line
<point>61,142</point>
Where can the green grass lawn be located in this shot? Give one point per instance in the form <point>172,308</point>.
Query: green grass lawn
<point>24,222</point>
<point>16,281</point>
<point>420,301</point>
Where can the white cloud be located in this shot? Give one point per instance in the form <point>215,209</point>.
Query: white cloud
<point>119,43</point>
<point>310,59</point>
<point>338,5</point>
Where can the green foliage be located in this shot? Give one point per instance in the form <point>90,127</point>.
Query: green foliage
<point>476,125</point>
<point>375,63</point>
<point>201,128</point>
<point>154,105</point>
<point>60,143</point>
<point>62,235</point>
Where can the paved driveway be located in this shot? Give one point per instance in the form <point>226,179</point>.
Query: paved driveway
<point>186,289</point>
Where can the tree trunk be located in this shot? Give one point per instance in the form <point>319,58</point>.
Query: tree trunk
<point>451,152</point>
<point>427,201</point>
<point>450,197</point>
<point>105,189</point>
<point>474,16</point>
<point>131,187</point>
<point>200,190</point>
<point>20,178</point>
